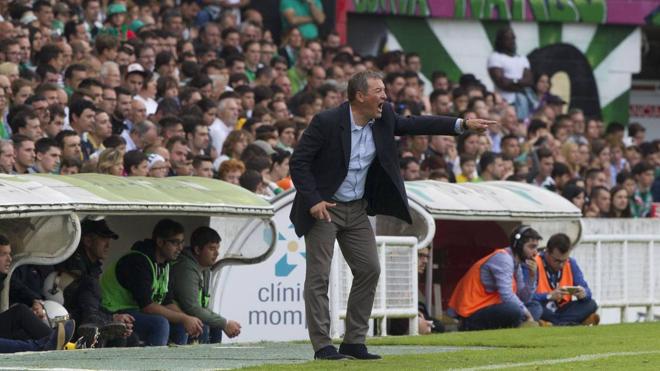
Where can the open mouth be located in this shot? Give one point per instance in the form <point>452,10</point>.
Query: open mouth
<point>380,107</point>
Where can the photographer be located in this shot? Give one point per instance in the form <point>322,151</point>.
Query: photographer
<point>559,279</point>
<point>493,292</point>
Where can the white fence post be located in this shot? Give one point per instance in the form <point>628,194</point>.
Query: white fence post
<point>652,296</point>
<point>334,294</point>
<point>382,282</point>
<point>636,260</point>
<point>398,299</point>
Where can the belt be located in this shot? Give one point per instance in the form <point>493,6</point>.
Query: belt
<point>347,202</point>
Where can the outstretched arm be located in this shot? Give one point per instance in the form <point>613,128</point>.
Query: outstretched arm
<point>438,125</point>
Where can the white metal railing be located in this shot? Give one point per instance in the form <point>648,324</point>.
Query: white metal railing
<point>622,270</point>
<point>396,293</point>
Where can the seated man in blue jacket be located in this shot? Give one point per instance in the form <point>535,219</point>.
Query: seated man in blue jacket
<point>559,279</point>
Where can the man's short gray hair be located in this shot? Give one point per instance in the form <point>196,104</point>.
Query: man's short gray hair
<point>107,66</point>
<point>360,82</point>
<point>141,128</point>
<point>222,104</point>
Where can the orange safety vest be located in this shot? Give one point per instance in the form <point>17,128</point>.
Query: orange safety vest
<point>543,287</point>
<point>470,295</point>
<point>285,183</point>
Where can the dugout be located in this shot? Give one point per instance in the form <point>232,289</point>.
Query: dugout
<point>461,221</point>
<point>464,222</point>
<point>41,215</point>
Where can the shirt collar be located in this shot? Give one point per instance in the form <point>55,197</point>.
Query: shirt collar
<point>354,126</point>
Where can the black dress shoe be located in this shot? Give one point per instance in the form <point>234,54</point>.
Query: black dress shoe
<point>329,353</point>
<point>357,351</point>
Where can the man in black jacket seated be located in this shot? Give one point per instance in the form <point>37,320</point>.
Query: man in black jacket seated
<point>82,298</point>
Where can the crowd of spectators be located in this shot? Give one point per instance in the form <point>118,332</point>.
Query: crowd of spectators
<point>204,88</point>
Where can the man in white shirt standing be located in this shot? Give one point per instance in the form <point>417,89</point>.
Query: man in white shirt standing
<point>509,71</point>
<point>228,110</point>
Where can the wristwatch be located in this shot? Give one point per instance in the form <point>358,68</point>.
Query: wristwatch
<point>464,125</point>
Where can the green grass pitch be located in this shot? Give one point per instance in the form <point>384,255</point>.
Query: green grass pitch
<point>612,347</point>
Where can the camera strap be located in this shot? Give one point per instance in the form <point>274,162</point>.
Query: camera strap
<point>553,279</point>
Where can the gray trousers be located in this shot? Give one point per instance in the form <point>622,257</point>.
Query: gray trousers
<point>351,227</point>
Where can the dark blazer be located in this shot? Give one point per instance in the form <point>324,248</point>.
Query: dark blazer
<point>320,162</point>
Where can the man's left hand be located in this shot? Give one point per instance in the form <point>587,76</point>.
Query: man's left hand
<point>232,328</point>
<point>124,318</point>
<point>581,293</point>
<point>479,125</point>
<point>127,320</point>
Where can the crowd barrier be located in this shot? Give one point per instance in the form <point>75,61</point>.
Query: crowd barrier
<point>620,259</point>
<point>396,293</point>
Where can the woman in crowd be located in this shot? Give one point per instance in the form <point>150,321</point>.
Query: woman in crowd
<point>231,170</point>
<point>600,152</point>
<point>626,180</point>
<point>167,87</point>
<point>10,70</point>
<point>485,144</point>
<point>37,42</point>
<point>571,155</point>
<point>209,110</point>
<point>21,90</point>
<point>233,146</point>
<point>584,152</point>
<point>541,88</point>
<point>111,161</point>
<point>279,169</point>
<point>617,162</point>
<point>574,194</point>
<point>619,205</point>
<point>592,130</point>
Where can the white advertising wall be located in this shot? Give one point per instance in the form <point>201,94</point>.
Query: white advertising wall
<point>267,298</point>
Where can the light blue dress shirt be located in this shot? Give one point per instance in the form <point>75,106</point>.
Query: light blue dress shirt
<point>363,152</point>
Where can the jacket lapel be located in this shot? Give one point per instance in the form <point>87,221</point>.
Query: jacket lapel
<point>377,130</point>
<point>345,126</point>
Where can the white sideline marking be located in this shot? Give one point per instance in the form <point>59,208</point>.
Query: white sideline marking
<point>583,358</point>
<point>78,369</point>
<point>238,347</point>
